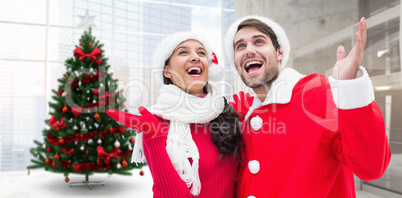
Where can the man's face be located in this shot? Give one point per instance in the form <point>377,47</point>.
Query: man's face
<point>256,60</point>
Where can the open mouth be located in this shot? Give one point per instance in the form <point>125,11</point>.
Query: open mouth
<point>253,66</point>
<point>194,71</point>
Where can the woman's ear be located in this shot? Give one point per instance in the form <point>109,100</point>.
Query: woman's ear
<point>166,72</point>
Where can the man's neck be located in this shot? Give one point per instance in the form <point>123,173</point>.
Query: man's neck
<point>262,92</point>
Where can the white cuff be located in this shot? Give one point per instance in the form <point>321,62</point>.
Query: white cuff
<point>352,94</point>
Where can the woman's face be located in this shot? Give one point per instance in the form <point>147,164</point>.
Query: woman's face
<point>188,67</point>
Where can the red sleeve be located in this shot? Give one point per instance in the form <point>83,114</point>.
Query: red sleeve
<point>356,127</point>
<point>167,182</point>
<point>362,145</point>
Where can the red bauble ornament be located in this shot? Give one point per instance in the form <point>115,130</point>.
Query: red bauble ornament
<point>48,150</point>
<point>124,164</point>
<point>96,116</point>
<point>66,76</point>
<point>111,129</point>
<point>54,164</point>
<point>76,111</point>
<point>97,161</point>
<point>80,44</point>
<point>60,92</point>
<point>66,179</point>
<point>47,161</point>
<point>114,93</point>
<point>86,152</point>
<point>61,140</point>
<point>132,140</point>
<point>142,173</point>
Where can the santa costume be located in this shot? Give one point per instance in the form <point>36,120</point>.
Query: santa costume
<point>310,134</point>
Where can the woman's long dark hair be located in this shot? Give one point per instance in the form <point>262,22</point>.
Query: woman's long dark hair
<point>225,129</point>
<point>226,132</point>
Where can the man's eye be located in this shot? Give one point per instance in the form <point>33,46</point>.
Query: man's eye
<point>240,46</point>
<point>259,42</point>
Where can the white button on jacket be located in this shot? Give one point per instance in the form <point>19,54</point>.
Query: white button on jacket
<point>254,166</point>
<point>256,123</point>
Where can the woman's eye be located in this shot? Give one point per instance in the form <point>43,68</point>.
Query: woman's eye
<point>201,53</point>
<point>182,52</point>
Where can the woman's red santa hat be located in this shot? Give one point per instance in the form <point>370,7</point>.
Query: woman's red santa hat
<point>168,44</point>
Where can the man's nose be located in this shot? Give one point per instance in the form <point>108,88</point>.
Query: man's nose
<point>250,51</point>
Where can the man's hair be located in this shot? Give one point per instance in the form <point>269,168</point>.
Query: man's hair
<point>264,28</point>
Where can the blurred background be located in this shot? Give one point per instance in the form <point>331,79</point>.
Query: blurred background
<point>37,36</point>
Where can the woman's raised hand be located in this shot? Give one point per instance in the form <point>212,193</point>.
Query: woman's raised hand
<point>242,104</point>
<point>149,124</point>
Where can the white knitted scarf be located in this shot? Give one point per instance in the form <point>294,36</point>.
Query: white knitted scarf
<point>182,109</point>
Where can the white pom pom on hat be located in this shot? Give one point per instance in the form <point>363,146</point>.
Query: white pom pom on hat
<point>278,30</point>
<point>167,45</point>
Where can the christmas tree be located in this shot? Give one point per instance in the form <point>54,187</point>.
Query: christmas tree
<point>81,138</point>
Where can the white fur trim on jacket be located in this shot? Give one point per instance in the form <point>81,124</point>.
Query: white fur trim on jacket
<point>279,31</point>
<point>167,45</point>
<point>352,94</point>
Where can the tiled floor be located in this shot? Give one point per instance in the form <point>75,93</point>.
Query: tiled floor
<point>41,184</point>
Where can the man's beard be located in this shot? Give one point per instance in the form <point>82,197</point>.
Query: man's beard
<point>269,76</point>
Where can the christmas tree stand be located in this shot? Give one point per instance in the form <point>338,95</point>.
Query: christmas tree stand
<point>86,182</point>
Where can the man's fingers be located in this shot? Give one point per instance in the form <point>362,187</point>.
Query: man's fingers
<point>361,35</point>
<point>340,53</point>
<point>364,30</point>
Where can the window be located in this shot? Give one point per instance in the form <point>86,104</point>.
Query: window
<point>34,48</point>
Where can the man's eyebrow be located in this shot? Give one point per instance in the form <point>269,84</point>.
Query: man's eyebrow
<point>259,35</point>
<point>241,40</point>
<point>255,36</point>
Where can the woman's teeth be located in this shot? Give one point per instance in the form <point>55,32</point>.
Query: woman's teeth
<point>194,71</point>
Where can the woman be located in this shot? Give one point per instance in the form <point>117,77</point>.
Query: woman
<point>192,138</point>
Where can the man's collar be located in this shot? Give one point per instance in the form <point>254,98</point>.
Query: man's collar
<point>280,91</point>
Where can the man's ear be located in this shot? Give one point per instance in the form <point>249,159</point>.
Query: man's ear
<point>279,54</point>
<point>166,72</point>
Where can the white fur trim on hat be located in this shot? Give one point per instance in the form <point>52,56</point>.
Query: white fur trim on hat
<point>167,45</point>
<point>280,34</point>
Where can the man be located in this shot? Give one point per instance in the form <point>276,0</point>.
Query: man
<point>304,136</point>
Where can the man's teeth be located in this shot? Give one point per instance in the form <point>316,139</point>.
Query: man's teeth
<point>253,62</point>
